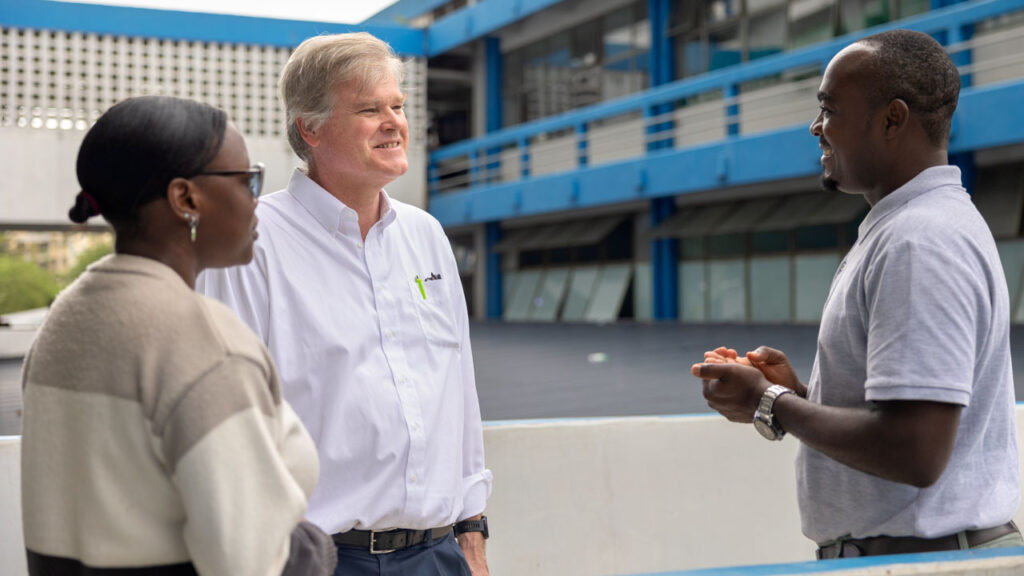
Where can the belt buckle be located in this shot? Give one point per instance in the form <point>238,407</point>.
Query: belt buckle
<point>373,543</point>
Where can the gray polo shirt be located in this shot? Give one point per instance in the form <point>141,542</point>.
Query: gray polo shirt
<point>918,310</point>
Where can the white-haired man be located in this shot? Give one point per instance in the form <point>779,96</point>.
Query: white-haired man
<point>358,298</point>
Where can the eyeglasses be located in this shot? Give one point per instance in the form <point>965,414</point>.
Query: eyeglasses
<point>255,177</point>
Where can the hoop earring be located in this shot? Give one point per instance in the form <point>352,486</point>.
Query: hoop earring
<point>193,223</point>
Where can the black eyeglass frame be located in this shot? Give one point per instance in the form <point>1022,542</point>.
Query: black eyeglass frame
<point>255,177</point>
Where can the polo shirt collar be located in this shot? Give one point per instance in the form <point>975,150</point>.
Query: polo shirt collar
<point>927,180</point>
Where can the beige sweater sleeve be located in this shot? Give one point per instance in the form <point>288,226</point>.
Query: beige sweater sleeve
<point>238,463</point>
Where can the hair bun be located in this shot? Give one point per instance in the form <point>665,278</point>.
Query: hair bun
<point>85,207</point>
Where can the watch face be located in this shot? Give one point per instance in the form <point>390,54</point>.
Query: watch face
<point>764,428</point>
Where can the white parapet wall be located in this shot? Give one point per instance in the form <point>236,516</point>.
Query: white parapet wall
<point>593,497</point>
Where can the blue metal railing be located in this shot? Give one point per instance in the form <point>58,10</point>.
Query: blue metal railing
<point>948,25</point>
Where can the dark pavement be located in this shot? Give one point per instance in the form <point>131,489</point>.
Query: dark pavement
<point>543,370</point>
<point>574,370</point>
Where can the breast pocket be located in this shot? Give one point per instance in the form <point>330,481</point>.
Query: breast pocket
<point>433,300</point>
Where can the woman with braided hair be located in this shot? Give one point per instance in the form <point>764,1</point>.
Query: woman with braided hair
<point>156,439</point>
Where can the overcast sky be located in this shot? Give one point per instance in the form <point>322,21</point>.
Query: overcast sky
<point>344,11</point>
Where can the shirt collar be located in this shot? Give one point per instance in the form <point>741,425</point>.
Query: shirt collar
<point>927,180</point>
<point>328,210</point>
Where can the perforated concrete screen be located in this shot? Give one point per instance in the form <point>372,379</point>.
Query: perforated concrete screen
<point>65,80</point>
<point>55,84</point>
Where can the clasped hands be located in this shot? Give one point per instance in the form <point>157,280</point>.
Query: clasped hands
<point>733,385</point>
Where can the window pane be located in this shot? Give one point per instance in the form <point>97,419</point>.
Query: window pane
<point>727,245</point>
<point>1011,254</point>
<point>724,47</point>
<point>860,14</point>
<point>767,34</point>
<point>550,294</point>
<point>605,304</point>
<point>810,21</point>
<point>691,56</point>
<point>691,292</point>
<point>770,289</point>
<point>518,308</point>
<point>769,241</point>
<point>643,291</point>
<point>720,10</point>
<point>580,288</point>
<point>814,274</point>
<point>727,285</point>
<point>999,196</point>
<point>911,7</point>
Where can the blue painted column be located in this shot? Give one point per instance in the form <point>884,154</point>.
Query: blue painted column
<point>492,122</point>
<point>963,160</point>
<point>492,235</point>
<point>664,251</point>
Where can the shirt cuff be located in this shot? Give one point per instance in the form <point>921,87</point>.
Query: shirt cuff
<point>475,491</point>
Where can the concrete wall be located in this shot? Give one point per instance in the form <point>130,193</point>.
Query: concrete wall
<point>12,551</point>
<point>610,496</point>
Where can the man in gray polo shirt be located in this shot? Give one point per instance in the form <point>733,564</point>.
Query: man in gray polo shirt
<point>907,425</point>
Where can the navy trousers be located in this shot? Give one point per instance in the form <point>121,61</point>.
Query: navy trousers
<point>441,557</point>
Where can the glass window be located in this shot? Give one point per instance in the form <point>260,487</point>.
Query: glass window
<point>720,10</point>
<point>606,301</point>
<point>910,7</point>
<point>770,289</point>
<point>548,299</point>
<point>810,21</point>
<point>727,245</point>
<point>643,291</point>
<point>999,196</point>
<point>617,39</point>
<point>817,237</point>
<point>691,58</point>
<point>1011,254</point>
<point>860,14</point>
<point>692,292</point>
<point>725,48</point>
<point>580,288</point>
<point>691,249</point>
<point>767,34</point>
<point>518,308</point>
<point>727,285</point>
<point>585,78</point>
<point>813,273</point>
<point>769,241</point>
<point>685,16</point>
<point>755,6</point>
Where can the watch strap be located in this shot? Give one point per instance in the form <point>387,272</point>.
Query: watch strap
<point>472,526</point>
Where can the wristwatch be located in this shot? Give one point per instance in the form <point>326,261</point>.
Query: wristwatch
<point>473,526</point>
<point>764,418</point>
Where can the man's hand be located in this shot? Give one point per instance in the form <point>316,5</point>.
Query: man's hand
<point>474,548</point>
<point>723,355</point>
<point>732,389</point>
<point>776,368</point>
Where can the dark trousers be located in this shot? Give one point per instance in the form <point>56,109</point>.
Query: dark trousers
<point>441,557</point>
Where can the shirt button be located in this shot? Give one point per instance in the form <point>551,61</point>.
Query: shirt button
<point>391,334</point>
<point>412,478</point>
<point>360,244</point>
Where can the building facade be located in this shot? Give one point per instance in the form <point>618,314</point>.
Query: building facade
<point>591,160</point>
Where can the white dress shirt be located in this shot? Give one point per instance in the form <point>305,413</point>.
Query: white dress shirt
<point>371,339</point>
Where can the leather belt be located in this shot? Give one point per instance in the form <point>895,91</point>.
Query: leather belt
<point>386,541</point>
<point>881,545</point>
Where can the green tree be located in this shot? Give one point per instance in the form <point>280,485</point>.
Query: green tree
<point>88,256</point>
<point>24,286</point>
